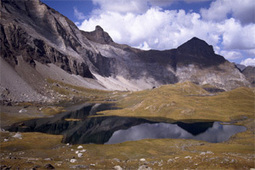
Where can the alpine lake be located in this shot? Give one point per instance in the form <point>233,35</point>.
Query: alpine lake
<point>85,125</point>
<point>164,128</point>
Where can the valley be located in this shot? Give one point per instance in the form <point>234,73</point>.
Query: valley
<point>33,149</point>
<point>69,97</point>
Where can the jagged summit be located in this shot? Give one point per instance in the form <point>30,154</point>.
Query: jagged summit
<point>196,46</point>
<point>99,36</point>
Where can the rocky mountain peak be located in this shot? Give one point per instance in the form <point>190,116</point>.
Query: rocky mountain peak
<point>249,73</point>
<point>99,29</point>
<point>99,36</point>
<point>196,46</point>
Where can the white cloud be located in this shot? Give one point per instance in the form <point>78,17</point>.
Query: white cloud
<point>150,27</point>
<point>159,29</point>
<point>236,36</point>
<point>144,46</point>
<point>231,55</point>
<point>77,24</point>
<point>131,6</point>
<point>248,62</point>
<point>79,15</point>
<point>242,10</point>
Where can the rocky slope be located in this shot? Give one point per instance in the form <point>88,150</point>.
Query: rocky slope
<point>38,43</point>
<point>249,73</point>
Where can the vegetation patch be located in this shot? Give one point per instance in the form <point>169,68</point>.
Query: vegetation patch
<point>183,101</point>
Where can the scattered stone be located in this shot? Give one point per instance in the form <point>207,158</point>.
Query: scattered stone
<point>17,135</point>
<point>47,159</point>
<point>187,157</point>
<point>80,155</point>
<point>202,153</point>
<point>59,163</point>
<point>32,159</point>
<point>233,160</point>
<point>79,167</point>
<point>83,150</point>
<point>117,167</point>
<point>4,167</point>
<point>49,166</point>
<point>6,140</point>
<point>8,103</point>
<point>36,167</point>
<point>79,147</point>
<point>160,163</point>
<point>67,144</point>
<point>76,152</point>
<point>142,160</point>
<point>144,167</point>
<point>73,160</point>
<point>22,110</point>
<point>170,160</point>
<point>116,159</point>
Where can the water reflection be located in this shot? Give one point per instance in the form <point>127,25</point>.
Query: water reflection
<point>214,134</point>
<point>78,127</point>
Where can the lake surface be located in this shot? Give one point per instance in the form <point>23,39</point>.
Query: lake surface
<point>78,127</point>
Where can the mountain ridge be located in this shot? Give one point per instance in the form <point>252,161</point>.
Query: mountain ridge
<point>37,39</point>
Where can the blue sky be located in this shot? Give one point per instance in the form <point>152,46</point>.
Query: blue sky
<point>228,25</point>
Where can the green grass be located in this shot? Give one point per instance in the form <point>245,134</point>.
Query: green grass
<point>183,101</point>
<point>187,101</point>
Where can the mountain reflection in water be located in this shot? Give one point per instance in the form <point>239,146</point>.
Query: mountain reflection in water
<point>78,128</point>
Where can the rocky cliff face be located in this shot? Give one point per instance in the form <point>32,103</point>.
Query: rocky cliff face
<point>249,73</point>
<point>38,40</point>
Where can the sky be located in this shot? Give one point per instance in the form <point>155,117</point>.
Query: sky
<point>228,25</point>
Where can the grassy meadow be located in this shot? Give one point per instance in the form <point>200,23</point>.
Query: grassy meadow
<point>183,101</point>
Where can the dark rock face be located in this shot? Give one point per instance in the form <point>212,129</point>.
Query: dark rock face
<point>197,47</point>
<point>18,41</point>
<point>249,73</point>
<point>31,31</point>
<point>99,36</point>
<point>199,52</point>
<point>240,67</point>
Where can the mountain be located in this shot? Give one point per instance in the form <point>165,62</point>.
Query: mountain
<point>240,67</point>
<point>249,73</point>
<point>39,44</point>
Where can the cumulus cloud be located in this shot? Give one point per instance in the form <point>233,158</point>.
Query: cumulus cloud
<point>132,6</point>
<point>219,10</point>
<point>159,29</point>
<point>231,55</point>
<point>236,36</point>
<point>79,15</point>
<point>248,62</point>
<point>143,24</point>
